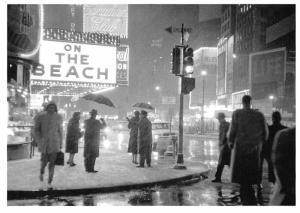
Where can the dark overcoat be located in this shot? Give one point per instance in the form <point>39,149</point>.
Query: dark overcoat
<point>145,134</point>
<point>247,133</point>
<point>73,135</point>
<point>92,137</point>
<point>224,157</point>
<point>133,139</point>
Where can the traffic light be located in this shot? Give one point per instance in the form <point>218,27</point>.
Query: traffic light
<point>188,61</point>
<point>176,60</point>
<point>187,85</point>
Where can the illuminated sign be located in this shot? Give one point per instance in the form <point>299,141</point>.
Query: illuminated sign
<point>122,65</point>
<point>112,19</point>
<point>73,62</point>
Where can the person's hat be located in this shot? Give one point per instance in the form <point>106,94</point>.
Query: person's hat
<point>53,104</point>
<point>93,112</point>
<point>143,112</point>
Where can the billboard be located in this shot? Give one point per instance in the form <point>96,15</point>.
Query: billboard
<point>74,62</point>
<point>123,65</point>
<point>112,19</point>
<point>267,73</point>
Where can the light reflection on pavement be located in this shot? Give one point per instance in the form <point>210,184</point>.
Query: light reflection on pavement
<point>191,193</point>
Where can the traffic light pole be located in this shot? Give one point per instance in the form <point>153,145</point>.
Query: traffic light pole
<point>180,161</point>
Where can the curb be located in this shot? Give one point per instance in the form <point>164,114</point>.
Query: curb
<point>14,195</point>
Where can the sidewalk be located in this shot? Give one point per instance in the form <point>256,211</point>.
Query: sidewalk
<point>116,173</point>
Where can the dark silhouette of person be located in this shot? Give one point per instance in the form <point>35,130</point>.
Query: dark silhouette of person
<point>224,156</point>
<point>267,148</point>
<point>248,131</point>
<point>283,159</point>
<point>133,125</point>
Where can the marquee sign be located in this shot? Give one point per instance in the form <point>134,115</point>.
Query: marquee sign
<point>74,62</point>
<point>123,65</point>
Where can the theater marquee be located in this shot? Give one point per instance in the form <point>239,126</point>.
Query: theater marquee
<point>74,62</point>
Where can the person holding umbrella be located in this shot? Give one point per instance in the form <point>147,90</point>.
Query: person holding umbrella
<point>92,140</point>
<point>145,137</point>
<point>133,124</point>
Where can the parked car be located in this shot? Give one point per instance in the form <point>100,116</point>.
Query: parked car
<point>162,137</point>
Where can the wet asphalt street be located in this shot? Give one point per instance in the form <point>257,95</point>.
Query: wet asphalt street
<point>192,193</point>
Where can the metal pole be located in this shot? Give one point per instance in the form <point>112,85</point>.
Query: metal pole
<point>202,109</point>
<point>179,163</point>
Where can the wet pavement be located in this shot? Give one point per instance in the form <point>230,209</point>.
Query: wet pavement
<point>188,193</point>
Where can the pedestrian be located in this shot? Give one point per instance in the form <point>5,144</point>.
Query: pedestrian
<point>48,134</point>
<point>248,131</point>
<point>133,124</point>
<point>145,134</point>
<point>224,157</point>
<point>92,140</point>
<point>283,159</point>
<point>267,148</point>
<point>73,135</point>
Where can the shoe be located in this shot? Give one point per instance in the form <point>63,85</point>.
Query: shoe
<point>216,181</point>
<point>72,164</point>
<point>68,162</point>
<point>139,166</point>
<point>49,187</point>
<point>135,162</point>
<point>94,171</point>
<point>41,177</point>
<point>149,165</point>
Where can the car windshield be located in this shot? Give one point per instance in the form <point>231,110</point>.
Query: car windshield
<point>160,126</point>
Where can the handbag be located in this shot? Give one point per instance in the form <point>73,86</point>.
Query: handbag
<point>60,159</point>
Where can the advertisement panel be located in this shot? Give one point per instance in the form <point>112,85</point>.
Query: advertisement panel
<point>267,73</point>
<point>73,62</point>
<point>112,19</point>
<point>123,65</point>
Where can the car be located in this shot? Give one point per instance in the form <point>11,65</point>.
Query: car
<point>162,136</point>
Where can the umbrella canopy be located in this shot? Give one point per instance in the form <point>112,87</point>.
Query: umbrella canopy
<point>101,99</point>
<point>144,106</point>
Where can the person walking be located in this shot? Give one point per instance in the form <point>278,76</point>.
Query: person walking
<point>267,148</point>
<point>283,159</point>
<point>224,157</point>
<point>73,135</point>
<point>248,131</point>
<point>145,134</point>
<point>48,134</point>
<point>92,140</point>
<point>133,124</point>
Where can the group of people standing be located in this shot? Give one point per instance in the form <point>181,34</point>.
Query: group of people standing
<point>140,140</point>
<point>48,134</point>
<point>246,142</point>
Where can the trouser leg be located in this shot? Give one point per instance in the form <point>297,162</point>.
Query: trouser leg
<point>218,174</point>
<point>148,158</point>
<point>142,159</point>
<point>86,163</point>
<point>51,166</point>
<point>44,162</point>
<point>247,195</point>
<point>92,163</point>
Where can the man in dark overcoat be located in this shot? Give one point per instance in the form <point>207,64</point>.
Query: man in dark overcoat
<point>267,148</point>
<point>145,140</point>
<point>248,131</point>
<point>224,157</point>
<point>92,140</point>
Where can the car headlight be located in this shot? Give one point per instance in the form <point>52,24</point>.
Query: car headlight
<point>156,137</point>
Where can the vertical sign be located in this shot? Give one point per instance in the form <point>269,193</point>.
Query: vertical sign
<point>122,65</point>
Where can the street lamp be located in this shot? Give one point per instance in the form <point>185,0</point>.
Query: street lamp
<point>203,74</point>
<point>157,88</point>
<point>272,97</point>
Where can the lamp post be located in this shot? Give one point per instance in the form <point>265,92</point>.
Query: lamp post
<point>203,74</point>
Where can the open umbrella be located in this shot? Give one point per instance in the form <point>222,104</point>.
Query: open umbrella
<point>144,106</point>
<point>101,99</point>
